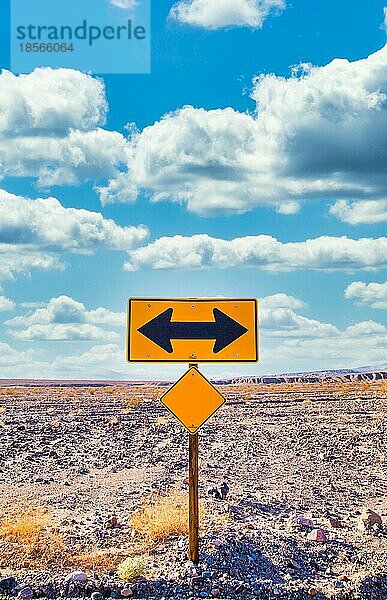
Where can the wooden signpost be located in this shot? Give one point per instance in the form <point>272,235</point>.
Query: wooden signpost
<point>192,330</point>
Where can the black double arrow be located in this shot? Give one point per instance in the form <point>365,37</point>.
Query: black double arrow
<point>161,330</point>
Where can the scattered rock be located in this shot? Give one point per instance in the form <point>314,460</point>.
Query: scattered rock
<point>26,593</point>
<point>191,570</point>
<point>298,523</point>
<point>76,577</point>
<point>7,584</point>
<point>368,519</point>
<point>215,493</point>
<point>224,490</point>
<point>111,522</point>
<point>317,535</point>
<point>219,493</point>
<point>293,564</point>
<point>335,522</point>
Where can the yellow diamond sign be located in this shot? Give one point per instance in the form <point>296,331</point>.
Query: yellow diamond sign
<point>193,400</point>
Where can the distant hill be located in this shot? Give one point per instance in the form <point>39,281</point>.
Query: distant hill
<point>357,374</point>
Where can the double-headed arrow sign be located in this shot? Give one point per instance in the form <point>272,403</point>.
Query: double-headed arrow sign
<point>224,330</point>
<point>192,330</point>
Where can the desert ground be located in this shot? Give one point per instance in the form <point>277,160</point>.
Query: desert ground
<point>94,477</point>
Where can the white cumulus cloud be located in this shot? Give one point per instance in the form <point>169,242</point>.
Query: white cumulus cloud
<point>302,343</point>
<point>282,300</point>
<point>9,357</point>
<point>51,127</point>
<point>6,304</point>
<point>64,318</point>
<point>360,344</point>
<point>45,223</point>
<point>33,234</point>
<point>366,328</point>
<point>369,294</point>
<point>262,251</point>
<point>278,315</point>
<point>124,4</point>
<point>312,135</point>
<point>66,332</point>
<point>109,357</point>
<point>215,14</point>
<point>360,212</point>
<point>17,260</point>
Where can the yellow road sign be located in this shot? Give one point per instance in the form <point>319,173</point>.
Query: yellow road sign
<point>193,400</point>
<point>192,330</point>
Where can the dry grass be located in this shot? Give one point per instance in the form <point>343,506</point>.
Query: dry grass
<point>162,516</point>
<point>28,540</point>
<point>161,420</point>
<point>134,401</point>
<point>25,527</point>
<point>101,560</point>
<point>378,388</point>
<point>13,392</point>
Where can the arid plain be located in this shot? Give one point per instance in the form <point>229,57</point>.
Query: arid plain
<point>95,475</point>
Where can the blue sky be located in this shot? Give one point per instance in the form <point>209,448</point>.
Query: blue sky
<point>272,174</point>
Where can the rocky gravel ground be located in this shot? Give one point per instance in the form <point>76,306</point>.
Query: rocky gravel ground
<point>302,464</point>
